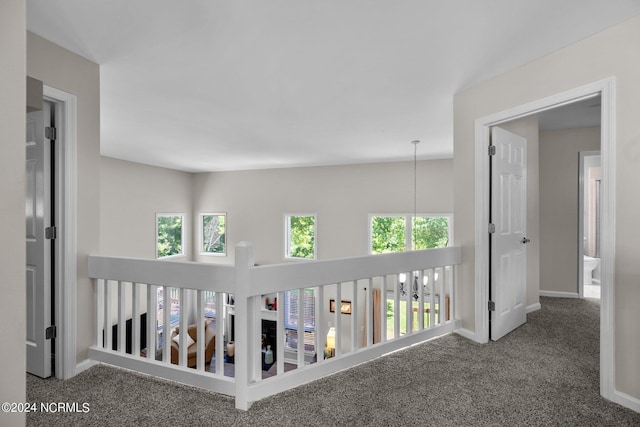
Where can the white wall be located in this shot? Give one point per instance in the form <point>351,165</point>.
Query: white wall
<point>130,196</point>
<point>12,178</point>
<point>613,52</point>
<point>341,196</point>
<point>559,164</point>
<point>64,70</point>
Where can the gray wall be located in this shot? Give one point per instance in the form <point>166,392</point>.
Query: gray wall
<point>64,70</point>
<point>12,166</point>
<point>130,196</point>
<point>341,196</point>
<point>613,52</point>
<point>255,202</point>
<point>559,164</point>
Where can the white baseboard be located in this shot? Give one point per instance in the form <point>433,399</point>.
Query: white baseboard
<point>465,333</point>
<point>559,294</point>
<point>533,307</point>
<point>85,364</point>
<point>626,400</point>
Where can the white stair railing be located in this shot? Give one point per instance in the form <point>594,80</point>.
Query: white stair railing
<point>350,278</point>
<point>126,288</point>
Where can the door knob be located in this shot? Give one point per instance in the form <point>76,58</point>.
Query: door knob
<point>525,240</point>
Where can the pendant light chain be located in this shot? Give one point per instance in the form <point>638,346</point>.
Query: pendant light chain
<point>415,193</point>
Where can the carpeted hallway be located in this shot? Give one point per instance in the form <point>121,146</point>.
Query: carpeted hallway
<point>544,373</point>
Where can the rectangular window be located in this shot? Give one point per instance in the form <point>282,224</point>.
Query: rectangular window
<point>398,233</point>
<point>292,314</point>
<point>300,236</point>
<point>169,235</point>
<point>213,228</point>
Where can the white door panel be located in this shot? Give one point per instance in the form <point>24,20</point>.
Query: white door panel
<point>38,268</point>
<point>508,213</point>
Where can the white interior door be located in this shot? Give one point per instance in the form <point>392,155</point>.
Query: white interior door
<point>508,242</point>
<point>38,268</point>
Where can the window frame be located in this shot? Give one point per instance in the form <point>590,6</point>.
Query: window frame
<point>408,231</point>
<point>201,234</point>
<point>309,331</point>
<point>287,231</point>
<point>183,234</point>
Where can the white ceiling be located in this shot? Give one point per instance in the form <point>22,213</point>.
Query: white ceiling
<point>580,114</point>
<point>210,85</point>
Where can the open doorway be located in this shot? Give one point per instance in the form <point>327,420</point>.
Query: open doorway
<point>569,256</point>
<point>61,302</point>
<point>606,90</point>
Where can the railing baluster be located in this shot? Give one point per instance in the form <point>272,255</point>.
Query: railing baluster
<point>354,316</point>
<point>396,308</point>
<point>166,324</point>
<point>432,299</point>
<point>409,305</point>
<point>122,329</point>
<point>383,309</point>
<point>107,316</point>
<point>320,333</point>
<point>420,300</point>
<point>369,313</point>
<point>100,317</point>
<point>441,298</point>
<point>257,326</point>
<point>220,324</point>
<point>452,288</point>
<point>338,319</point>
<point>135,324</point>
<point>200,327</point>
<point>280,334</point>
<point>184,330</point>
<point>152,321</point>
<point>301,314</point>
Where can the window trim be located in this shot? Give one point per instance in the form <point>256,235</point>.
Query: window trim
<point>182,237</point>
<point>201,216</point>
<point>408,226</point>
<point>286,236</point>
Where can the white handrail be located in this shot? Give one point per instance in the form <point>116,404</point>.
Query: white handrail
<point>190,275</point>
<point>285,277</point>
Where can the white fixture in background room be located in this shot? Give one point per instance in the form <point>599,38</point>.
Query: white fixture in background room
<point>590,264</point>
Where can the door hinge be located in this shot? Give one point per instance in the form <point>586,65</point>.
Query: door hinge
<point>492,228</point>
<point>50,233</point>
<point>492,150</point>
<point>50,133</point>
<point>50,332</point>
<point>492,306</point>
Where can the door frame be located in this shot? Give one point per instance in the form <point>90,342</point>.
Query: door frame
<point>606,89</point>
<point>66,280</point>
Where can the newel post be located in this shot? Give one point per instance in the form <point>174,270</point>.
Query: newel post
<point>244,313</point>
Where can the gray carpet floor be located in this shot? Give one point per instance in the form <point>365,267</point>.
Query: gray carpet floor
<point>544,373</point>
